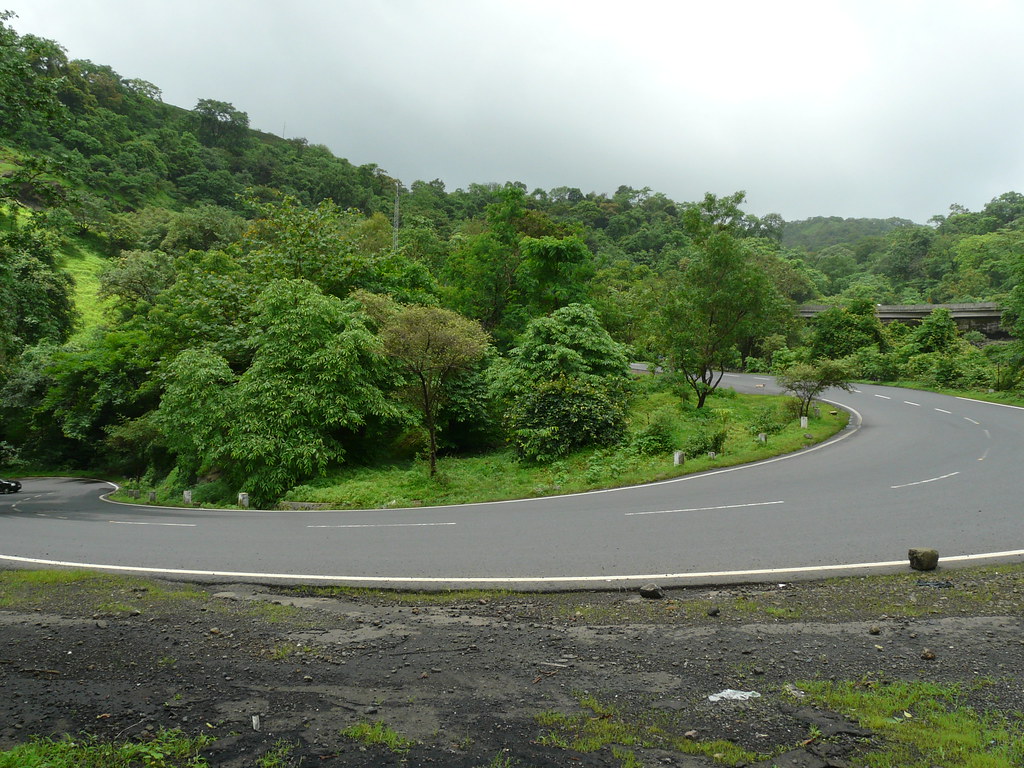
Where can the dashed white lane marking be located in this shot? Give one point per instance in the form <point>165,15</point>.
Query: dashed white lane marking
<point>922,482</point>
<point>169,525</point>
<point>984,455</point>
<point>438,580</point>
<point>943,410</point>
<point>381,525</point>
<point>987,434</point>
<point>916,405</point>
<point>884,397</point>
<point>968,418</point>
<point>763,378</point>
<point>855,391</point>
<point>704,509</point>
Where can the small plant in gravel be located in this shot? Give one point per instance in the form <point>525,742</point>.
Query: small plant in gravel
<point>278,756</point>
<point>604,725</point>
<point>381,734</point>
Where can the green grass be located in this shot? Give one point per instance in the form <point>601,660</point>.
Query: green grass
<point>88,590</point>
<point>167,749</point>
<point>278,756</point>
<point>500,475</point>
<point>923,725</point>
<point>601,725</point>
<point>379,734</point>
<point>84,264</point>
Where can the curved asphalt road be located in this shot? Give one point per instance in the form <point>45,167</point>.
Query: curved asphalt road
<point>913,469</point>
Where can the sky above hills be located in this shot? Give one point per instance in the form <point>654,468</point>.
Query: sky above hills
<point>862,108</point>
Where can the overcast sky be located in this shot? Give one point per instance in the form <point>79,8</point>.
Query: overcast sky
<point>817,108</point>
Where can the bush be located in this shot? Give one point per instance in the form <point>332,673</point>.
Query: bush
<point>766,419</point>
<point>558,417</point>
<point>704,441</point>
<point>657,436</point>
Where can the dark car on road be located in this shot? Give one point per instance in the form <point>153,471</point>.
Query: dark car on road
<point>9,486</point>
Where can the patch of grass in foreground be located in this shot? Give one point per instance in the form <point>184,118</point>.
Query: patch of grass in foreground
<point>500,475</point>
<point>86,591</point>
<point>167,749</point>
<point>380,734</point>
<point>602,725</point>
<point>924,725</point>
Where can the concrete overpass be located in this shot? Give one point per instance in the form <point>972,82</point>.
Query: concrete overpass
<point>983,316</point>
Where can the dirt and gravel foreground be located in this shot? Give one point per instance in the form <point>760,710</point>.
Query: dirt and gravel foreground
<point>466,675</point>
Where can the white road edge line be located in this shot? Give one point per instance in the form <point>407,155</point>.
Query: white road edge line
<point>704,509</point>
<point>172,525</point>
<point>505,579</point>
<point>929,480</point>
<point>381,525</point>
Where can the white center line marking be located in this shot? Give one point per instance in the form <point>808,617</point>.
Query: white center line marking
<point>855,391</point>
<point>922,482</point>
<point>171,525</point>
<point>916,405</point>
<point>967,418</point>
<point>763,378</point>
<point>382,525</point>
<point>704,509</point>
<point>984,455</point>
<point>987,434</point>
<point>884,397</point>
<point>942,410</point>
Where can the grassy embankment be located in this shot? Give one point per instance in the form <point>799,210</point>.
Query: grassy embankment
<point>500,475</point>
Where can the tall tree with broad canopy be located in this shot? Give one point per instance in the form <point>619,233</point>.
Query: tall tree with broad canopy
<point>433,346</point>
<point>716,300</point>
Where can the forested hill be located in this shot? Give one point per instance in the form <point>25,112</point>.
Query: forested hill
<point>819,232</point>
<point>272,311</point>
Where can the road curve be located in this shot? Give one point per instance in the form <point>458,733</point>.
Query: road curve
<point>914,469</point>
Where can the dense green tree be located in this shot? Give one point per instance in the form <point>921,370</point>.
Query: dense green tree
<point>842,330</point>
<point>564,386</point>
<point>433,346</point>
<point>718,299</point>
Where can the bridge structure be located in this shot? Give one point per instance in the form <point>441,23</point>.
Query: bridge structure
<point>982,316</point>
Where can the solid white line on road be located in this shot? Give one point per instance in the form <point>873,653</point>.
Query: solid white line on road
<point>171,525</point>
<point>968,418</point>
<point>884,397</point>
<point>916,405</point>
<point>704,509</point>
<point>382,525</point>
<point>943,410</point>
<point>438,580</point>
<point>922,482</point>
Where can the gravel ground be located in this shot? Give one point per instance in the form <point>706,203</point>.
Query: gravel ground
<point>466,675</point>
